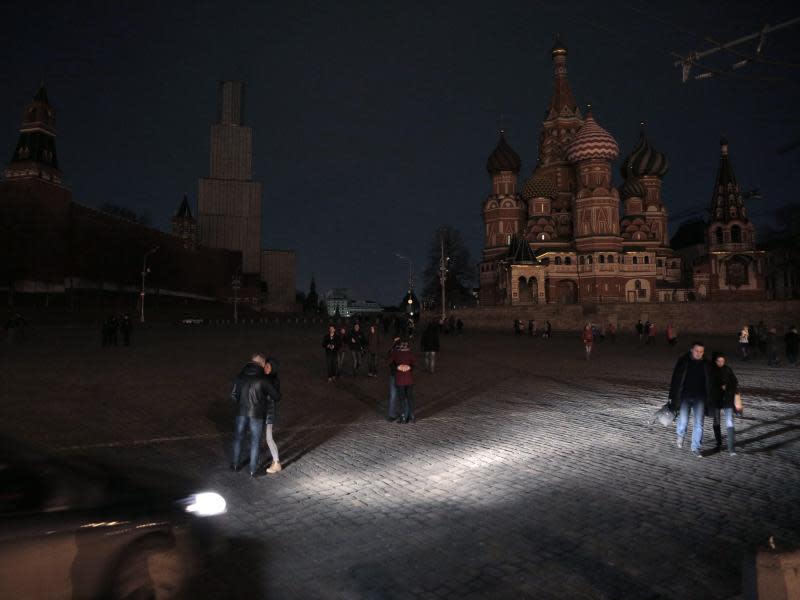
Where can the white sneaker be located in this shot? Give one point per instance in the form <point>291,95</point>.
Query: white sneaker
<point>274,468</point>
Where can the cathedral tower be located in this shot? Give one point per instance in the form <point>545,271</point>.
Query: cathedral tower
<point>35,155</point>
<point>229,201</point>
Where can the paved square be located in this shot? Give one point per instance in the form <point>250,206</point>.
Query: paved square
<point>530,473</point>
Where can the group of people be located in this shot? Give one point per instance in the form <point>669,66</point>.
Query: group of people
<point>533,329</point>
<point>113,326</point>
<point>700,388</point>
<point>764,340</point>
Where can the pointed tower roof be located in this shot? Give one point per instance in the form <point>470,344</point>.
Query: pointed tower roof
<point>519,251</point>
<point>35,154</point>
<point>184,212</point>
<point>726,202</point>
<point>503,158</point>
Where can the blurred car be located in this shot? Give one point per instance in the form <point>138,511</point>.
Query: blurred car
<point>86,531</point>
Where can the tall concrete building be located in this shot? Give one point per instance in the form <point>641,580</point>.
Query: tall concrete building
<point>229,201</point>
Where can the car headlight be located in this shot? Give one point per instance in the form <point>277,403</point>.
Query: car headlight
<point>206,504</point>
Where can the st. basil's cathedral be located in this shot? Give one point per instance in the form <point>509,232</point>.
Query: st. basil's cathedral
<point>563,239</point>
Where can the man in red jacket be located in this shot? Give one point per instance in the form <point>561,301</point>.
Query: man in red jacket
<point>403,360</point>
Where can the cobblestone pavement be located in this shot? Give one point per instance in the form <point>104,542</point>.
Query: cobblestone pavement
<point>530,473</point>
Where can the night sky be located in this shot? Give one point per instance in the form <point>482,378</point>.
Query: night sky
<point>373,121</point>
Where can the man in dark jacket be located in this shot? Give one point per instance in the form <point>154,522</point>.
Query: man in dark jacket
<point>430,346</point>
<point>688,391</point>
<point>331,343</point>
<point>250,393</point>
<point>356,342</point>
<point>374,346</point>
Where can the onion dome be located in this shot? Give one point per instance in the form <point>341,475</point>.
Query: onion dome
<point>632,188</point>
<point>539,185</point>
<point>644,160</point>
<point>592,141</point>
<point>503,158</point>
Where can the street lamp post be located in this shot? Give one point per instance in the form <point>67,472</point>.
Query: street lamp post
<point>236,284</point>
<point>145,271</point>
<point>443,261</point>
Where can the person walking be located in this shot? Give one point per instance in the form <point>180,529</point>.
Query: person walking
<point>548,328</point>
<point>403,361</point>
<point>391,411</point>
<point>689,390</point>
<point>517,327</point>
<point>744,341</point>
<point>771,347</point>
<point>640,330</point>
<point>331,342</point>
<point>373,347</point>
<point>356,342</point>
<point>341,350</point>
<point>587,337</point>
<point>271,371</point>
<point>126,327</point>
<point>249,394</point>
<point>724,387</point>
<point>791,341</point>
<point>430,346</point>
<point>530,328</point>
<point>651,334</point>
<point>612,332</point>
<point>672,335</point>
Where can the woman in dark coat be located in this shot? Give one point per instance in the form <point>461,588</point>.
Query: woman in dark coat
<point>724,387</point>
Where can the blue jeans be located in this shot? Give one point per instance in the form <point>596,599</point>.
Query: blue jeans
<point>256,428</point>
<point>392,412</point>
<point>728,412</point>
<point>698,407</point>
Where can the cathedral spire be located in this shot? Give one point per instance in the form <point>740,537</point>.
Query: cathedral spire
<point>562,103</point>
<point>35,153</point>
<point>726,202</point>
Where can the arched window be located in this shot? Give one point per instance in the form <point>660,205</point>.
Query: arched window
<point>647,260</point>
<point>718,235</point>
<point>589,260</point>
<point>736,234</point>
<point>610,258</point>
<point>637,284</point>
<point>558,260</point>
<point>635,260</point>
<point>568,261</point>
<point>581,260</point>
<point>602,259</point>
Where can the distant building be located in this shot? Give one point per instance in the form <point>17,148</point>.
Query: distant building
<point>184,225</point>
<point>338,302</point>
<point>571,236</point>
<point>228,200</point>
<point>52,245</point>
<point>278,273</point>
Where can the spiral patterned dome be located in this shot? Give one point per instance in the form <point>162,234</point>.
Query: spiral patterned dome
<point>592,141</point>
<point>644,160</point>
<point>503,158</point>
<point>632,188</point>
<point>539,185</point>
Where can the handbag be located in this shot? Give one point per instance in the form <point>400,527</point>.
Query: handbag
<point>738,406</point>
<point>663,416</point>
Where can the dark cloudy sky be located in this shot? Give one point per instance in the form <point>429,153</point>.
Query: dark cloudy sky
<point>373,120</point>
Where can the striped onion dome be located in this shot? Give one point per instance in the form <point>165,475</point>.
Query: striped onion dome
<point>503,158</point>
<point>632,188</point>
<point>539,185</point>
<point>644,160</point>
<point>592,141</point>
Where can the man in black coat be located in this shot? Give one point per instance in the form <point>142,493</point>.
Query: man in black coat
<point>430,346</point>
<point>251,393</point>
<point>356,342</point>
<point>331,342</point>
<point>688,391</point>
